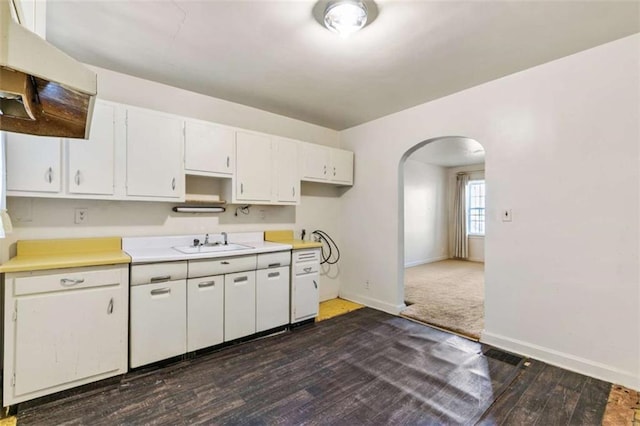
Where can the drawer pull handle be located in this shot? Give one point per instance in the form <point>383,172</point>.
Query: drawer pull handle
<point>110,307</point>
<point>206,284</point>
<point>307,269</point>
<point>70,282</point>
<point>273,274</point>
<point>241,279</point>
<point>227,161</point>
<point>49,175</point>
<point>160,278</point>
<point>224,262</point>
<point>315,284</point>
<point>78,178</point>
<point>173,183</point>
<point>274,265</point>
<point>160,291</point>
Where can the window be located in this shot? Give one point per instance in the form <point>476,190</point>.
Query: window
<point>475,207</point>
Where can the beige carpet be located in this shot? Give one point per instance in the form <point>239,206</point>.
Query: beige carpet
<point>447,294</point>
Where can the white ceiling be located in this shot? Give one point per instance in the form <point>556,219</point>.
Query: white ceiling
<point>450,152</point>
<point>274,55</point>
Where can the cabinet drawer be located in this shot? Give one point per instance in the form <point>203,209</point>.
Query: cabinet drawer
<point>65,279</point>
<point>306,268</point>
<point>306,255</point>
<point>274,260</point>
<point>158,272</point>
<point>221,266</point>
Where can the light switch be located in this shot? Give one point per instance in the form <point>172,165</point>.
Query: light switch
<point>506,215</point>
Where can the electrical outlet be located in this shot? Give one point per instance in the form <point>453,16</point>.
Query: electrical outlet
<point>506,215</point>
<point>81,215</point>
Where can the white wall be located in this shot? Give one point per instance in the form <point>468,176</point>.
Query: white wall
<point>319,209</point>
<point>425,213</point>
<point>475,242</point>
<point>561,140</point>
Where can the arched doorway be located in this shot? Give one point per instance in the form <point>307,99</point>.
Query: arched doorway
<point>441,212</point>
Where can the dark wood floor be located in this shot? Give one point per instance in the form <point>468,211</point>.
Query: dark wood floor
<point>365,367</point>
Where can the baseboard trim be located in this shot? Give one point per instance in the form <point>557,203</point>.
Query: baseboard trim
<point>563,360</point>
<point>425,261</point>
<point>373,303</point>
<point>476,259</point>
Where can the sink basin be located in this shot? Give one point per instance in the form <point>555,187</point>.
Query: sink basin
<point>211,249</point>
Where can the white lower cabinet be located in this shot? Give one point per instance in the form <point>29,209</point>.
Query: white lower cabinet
<point>158,322</point>
<point>205,312</point>
<point>305,287</point>
<point>63,328</point>
<point>239,305</point>
<point>272,298</point>
<point>158,312</point>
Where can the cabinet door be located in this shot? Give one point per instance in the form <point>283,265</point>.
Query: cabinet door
<point>155,167</point>
<point>286,170</point>
<point>341,166</point>
<point>305,297</point>
<point>68,336</point>
<point>158,322</point>
<point>205,312</point>
<point>315,162</point>
<point>91,162</point>
<point>239,305</point>
<point>209,148</point>
<point>272,298</point>
<point>33,163</point>
<point>253,167</point>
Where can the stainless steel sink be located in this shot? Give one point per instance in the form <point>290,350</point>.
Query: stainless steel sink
<point>211,249</point>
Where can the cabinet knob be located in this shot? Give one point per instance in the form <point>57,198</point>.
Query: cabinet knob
<point>324,171</point>
<point>49,175</point>
<point>334,171</point>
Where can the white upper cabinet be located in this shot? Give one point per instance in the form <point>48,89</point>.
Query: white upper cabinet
<point>209,149</point>
<point>324,164</point>
<point>341,170</point>
<point>155,166</point>
<point>286,171</point>
<point>34,164</point>
<point>91,163</point>
<point>254,165</point>
<point>315,162</point>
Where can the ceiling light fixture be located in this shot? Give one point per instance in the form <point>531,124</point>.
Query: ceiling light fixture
<point>345,17</point>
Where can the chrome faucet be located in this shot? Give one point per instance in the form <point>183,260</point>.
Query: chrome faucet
<point>224,236</point>
<point>206,239</point>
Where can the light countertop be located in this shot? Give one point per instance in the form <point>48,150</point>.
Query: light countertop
<point>161,249</point>
<point>34,255</point>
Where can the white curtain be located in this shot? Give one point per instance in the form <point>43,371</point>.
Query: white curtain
<point>460,248</point>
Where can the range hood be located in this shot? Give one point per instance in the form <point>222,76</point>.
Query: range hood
<point>43,91</point>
